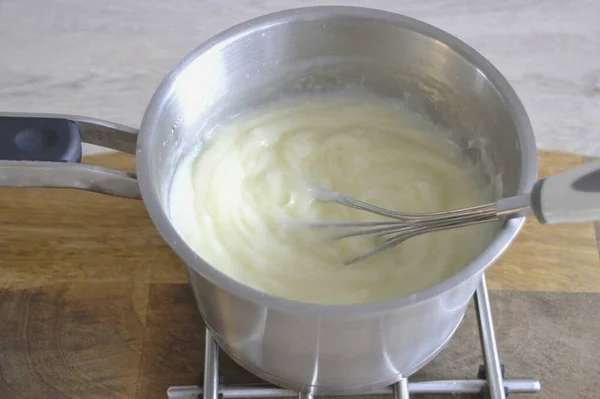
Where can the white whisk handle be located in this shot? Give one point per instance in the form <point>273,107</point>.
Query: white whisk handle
<point>572,196</point>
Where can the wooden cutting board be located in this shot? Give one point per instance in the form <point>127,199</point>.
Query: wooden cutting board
<point>93,304</point>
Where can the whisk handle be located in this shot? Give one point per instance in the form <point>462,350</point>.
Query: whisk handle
<point>572,196</point>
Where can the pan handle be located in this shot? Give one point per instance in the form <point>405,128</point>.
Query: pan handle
<point>44,150</point>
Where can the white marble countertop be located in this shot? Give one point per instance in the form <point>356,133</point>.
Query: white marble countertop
<point>104,58</point>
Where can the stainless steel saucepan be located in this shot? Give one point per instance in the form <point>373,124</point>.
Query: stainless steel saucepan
<point>324,349</point>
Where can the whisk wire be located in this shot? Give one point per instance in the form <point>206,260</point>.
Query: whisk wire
<point>404,225</point>
<point>350,202</point>
<point>407,232</point>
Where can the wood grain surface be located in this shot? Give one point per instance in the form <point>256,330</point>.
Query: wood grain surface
<point>93,304</point>
<point>551,257</point>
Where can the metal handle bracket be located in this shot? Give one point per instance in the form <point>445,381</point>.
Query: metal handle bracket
<point>44,150</point>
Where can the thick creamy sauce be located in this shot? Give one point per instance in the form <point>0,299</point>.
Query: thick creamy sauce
<point>238,200</point>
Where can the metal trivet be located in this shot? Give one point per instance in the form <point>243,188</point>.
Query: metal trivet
<point>490,382</point>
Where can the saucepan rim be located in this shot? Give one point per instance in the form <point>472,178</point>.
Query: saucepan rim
<point>161,220</point>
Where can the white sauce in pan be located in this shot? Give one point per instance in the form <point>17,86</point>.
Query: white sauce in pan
<point>233,202</point>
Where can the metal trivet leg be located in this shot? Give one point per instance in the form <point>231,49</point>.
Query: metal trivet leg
<point>493,372</point>
<point>211,367</point>
<point>400,389</point>
<point>493,384</point>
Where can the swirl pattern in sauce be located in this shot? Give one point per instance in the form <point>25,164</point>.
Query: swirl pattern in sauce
<point>233,203</point>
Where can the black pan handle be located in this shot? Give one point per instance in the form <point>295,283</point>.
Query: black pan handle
<point>44,150</point>
<point>39,139</point>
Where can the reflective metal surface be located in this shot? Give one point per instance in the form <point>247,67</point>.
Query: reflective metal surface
<point>67,175</point>
<point>308,347</point>
<point>488,342</point>
<point>400,389</point>
<point>491,385</point>
<point>335,349</point>
<point>452,387</point>
<point>211,366</point>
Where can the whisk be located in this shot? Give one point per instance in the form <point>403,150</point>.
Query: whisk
<point>572,196</point>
